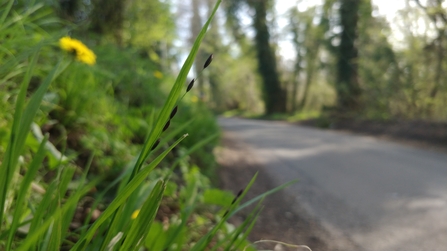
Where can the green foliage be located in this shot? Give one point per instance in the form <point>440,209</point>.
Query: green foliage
<point>310,85</point>
<point>143,34</point>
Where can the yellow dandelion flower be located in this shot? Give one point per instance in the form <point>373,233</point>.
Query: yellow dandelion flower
<point>135,214</point>
<point>82,52</point>
<point>158,74</point>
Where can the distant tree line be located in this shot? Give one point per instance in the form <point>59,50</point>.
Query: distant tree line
<point>344,58</point>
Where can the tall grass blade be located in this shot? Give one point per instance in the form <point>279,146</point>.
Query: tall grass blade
<point>32,239</point>
<point>190,150</point>
<point>205,240</point>
<point>141,225</point>
<point>6,11</point>
<point>24,187</point>
<point>252,220</point>
<point>7,168</point>
<point>261,196</point>
<point>173,96</point>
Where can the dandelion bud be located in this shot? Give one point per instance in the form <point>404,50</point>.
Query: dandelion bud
<point>191,84</point>
<point>208,61</point>
<point>174,111</point>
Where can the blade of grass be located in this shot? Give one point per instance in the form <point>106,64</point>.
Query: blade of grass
<point>243,238</point>
<point>10,158</point>
<point>134,198</point>
<point>40,214</point>
<point>6,11</point>
<point>58,229</point>
<point>21,127</point>
<point>185,214</point>
<point>173,96</point>
<point>141,225</point>
<point>205,240</point>
<point>247,223</point>
<point>190,150</point>
<point>35,100</point>
<point>165,140</point>
<point>81,182</point>
<point>24,187</point>
<point>118,222</point>
<point>191,198</point>
<point>33,238</point>
<point>259,197</point>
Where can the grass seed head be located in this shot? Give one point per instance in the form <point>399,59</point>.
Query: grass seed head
<point>208,61</point>
<point>191,84</point>
<point>174,111</point>
<point>167,125</point>
<point>156,144</point>
<point>237,196</point>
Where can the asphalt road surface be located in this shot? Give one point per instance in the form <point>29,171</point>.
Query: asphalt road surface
<point>381,195</point>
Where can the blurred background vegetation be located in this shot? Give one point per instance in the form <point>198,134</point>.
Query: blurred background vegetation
<point>343,56</point>
<point>339,55</point>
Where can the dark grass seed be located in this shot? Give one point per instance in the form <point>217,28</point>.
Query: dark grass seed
<point>174,111</point>
<point>237,196</point>
<point>156,144</point>
<point>191,84</point>
<point>208,61</point>
<point>167,125</point>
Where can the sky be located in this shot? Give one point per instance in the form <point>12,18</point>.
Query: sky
<point>386,7</point>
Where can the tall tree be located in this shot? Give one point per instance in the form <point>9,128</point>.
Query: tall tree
<point>297,41</point>
<point>307,40</point>
<point>347,86</point>
<point>273,94</point>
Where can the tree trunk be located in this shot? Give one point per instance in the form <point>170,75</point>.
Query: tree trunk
<point>309,78</point>
<point>347,85</point>
<point>274,95</point>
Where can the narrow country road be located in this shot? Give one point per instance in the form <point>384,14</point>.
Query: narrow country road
<point>383,196</point>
